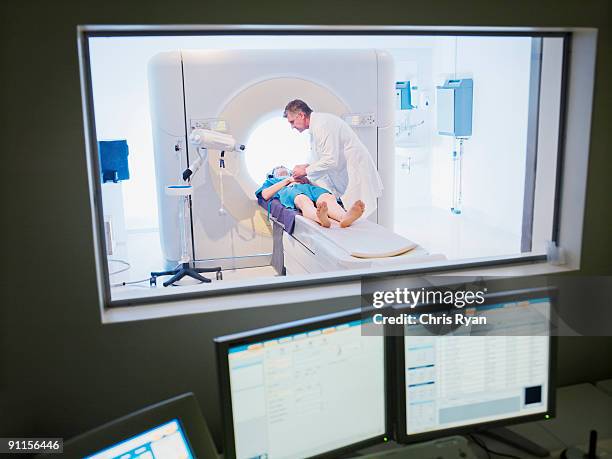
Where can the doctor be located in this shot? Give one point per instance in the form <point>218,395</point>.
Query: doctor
<point>342,163</point>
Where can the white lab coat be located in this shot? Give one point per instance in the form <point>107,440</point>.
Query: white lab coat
<point>341,163</point>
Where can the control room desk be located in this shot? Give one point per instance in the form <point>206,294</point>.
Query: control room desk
<point>579,409</point>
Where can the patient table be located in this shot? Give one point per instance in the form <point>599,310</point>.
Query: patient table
<point>302,246</point>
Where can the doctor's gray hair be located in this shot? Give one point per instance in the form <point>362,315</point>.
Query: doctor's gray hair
<point>296,106</point>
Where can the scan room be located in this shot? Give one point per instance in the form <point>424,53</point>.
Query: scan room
<point>424,150</point>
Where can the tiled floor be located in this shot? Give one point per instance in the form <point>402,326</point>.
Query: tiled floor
<point>439,231</point>
<point>456,236</point>
<point>143,253</point>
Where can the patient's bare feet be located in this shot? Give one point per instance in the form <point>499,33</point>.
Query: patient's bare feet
<point>353,214</point>
<point>322,214</point>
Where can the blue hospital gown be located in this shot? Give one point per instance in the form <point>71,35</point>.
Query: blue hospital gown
<point>286,195</point>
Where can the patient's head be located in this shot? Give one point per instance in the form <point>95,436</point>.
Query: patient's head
<point>280,171</point>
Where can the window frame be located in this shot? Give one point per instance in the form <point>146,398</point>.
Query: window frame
<point>300,282</point>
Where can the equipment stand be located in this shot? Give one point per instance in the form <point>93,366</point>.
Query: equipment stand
<point>457,177</point>
<point>184,268</point>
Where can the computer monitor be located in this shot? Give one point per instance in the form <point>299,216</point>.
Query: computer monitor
<point>173,429</point>
<point>166,441</point>
<point>477,376</point>
<point>303,389</point>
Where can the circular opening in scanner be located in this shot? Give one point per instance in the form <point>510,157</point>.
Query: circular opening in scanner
<point>273,143</point>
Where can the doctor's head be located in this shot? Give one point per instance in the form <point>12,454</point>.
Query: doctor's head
<point>298,113</point>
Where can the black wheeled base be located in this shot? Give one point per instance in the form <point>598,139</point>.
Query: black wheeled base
<point>185,269</point>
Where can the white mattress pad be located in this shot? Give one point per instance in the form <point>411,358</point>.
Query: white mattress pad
<point>363,239</point>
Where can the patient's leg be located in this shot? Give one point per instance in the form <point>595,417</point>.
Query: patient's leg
<point>335,211</point>
<point>318,214</point>
<point>353,214</point>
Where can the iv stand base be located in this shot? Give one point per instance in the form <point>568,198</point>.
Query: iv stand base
<point>184,269</point>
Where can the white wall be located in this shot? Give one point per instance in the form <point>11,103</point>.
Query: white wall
<point>494,161</point>
<point>413,145</point>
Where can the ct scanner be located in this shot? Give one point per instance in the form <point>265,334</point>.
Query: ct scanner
<point>233,91</point>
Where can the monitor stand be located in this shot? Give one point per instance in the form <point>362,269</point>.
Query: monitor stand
<point>455,447</point>
<point>511,438</point>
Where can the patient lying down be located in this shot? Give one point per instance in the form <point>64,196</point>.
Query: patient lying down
<point>301,194</point>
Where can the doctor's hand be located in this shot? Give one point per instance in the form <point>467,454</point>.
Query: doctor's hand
<point>299,170</point>
<point>302,180</point>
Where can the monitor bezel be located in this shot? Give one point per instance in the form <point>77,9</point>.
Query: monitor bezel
<point>224,343</point>
<point>401,434</point>
<point>183,408</point>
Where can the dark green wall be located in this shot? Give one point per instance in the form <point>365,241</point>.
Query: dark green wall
<point>61,371</point>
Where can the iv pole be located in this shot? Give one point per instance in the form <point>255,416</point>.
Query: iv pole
<point>185,267</point>
<point>457,198</point>
<point>205,139</point>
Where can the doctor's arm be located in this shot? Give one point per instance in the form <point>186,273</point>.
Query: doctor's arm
<point>267,193</point>
<point>329,153</point>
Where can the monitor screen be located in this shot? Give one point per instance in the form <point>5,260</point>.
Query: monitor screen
<point>299,394</point>
<point>479,374</point>
<point>166,441</point>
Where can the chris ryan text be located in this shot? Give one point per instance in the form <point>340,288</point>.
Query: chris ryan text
<point>429,319</point>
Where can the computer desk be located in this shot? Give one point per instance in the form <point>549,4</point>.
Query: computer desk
<point>580,409</point>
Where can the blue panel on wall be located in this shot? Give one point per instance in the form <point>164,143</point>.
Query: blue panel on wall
<point>114,160</point>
